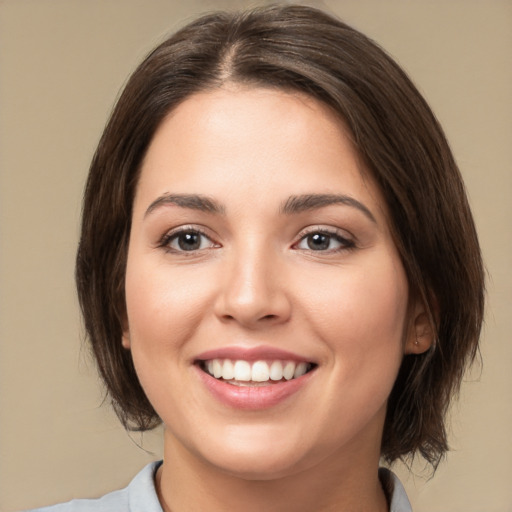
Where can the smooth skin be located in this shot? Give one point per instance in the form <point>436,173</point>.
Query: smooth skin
<point>219,258</point>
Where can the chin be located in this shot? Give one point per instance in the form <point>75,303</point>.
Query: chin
<point>259,458</point>
<point>255,469</point>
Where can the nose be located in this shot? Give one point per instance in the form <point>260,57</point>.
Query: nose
<point>253,291</point>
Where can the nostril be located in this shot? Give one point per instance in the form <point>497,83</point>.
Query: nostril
<point>252,310</point>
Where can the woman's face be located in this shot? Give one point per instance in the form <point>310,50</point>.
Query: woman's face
<point>260,252</point>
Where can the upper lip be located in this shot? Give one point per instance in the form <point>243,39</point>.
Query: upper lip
<point>261,352</point>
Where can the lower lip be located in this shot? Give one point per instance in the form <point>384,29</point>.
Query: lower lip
<point>252,397</point>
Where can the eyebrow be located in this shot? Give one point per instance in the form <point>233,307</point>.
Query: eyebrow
<point>306,202</point>
<point>294,204</point>
<point>191,201</point>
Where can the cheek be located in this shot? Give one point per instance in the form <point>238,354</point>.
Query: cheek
<point>362,319</point>
<point>163,306</point>
<point>164,309</point>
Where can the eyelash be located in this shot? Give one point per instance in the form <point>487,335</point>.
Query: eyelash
<point>345,243</point>
<point>173,235</point>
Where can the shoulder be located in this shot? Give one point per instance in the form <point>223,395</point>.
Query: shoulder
<point>398,501</point>
<point>140,494</point>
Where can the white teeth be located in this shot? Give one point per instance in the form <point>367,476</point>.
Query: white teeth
<point>259,371</point>
<point>228,371</point>
<point>289,370</point>
<point>276,370</point>
<point>217,369</point>
<point>242,371</point>
<point>300,370</point>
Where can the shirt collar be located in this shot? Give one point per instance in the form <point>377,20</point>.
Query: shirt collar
<point>395,492</point>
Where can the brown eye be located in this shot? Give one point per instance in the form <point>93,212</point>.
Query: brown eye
<point>318,241</point>
<point>188,241</point>
<point>324,241</point>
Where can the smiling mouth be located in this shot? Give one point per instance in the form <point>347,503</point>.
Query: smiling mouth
<point>254,373</point>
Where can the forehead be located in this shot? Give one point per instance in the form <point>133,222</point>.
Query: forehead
<point>264,140</point>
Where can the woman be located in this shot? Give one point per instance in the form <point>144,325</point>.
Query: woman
<point>278,262</point>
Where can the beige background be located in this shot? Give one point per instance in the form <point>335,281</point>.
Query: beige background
<point>61,65</point>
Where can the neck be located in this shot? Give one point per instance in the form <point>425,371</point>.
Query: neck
<point>185,482</point>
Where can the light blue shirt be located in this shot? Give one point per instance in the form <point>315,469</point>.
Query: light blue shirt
<point>395,490</point>
<point>140,496</point>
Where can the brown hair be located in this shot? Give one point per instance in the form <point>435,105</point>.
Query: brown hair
<point>404,149</point>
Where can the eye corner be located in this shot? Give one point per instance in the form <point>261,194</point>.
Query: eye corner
<point>188,240</point>
<point>326,240</point>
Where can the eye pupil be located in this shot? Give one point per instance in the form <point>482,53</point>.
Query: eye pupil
<point>189,241</point>
<point>318,241</point>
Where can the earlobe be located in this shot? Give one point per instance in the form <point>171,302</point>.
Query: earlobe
<point>421,333</point>
<point>125,340</point>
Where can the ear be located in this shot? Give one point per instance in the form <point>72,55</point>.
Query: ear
<point>125,339</point>
<point>421,333</point>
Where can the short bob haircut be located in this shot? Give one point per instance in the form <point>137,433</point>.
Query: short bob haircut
<point>299,49</point>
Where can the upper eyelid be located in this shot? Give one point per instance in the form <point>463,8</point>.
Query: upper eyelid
<point>170,237</point>
<point>347,240</point>
<point>308,230</point>
<point>203,230</point>
<point>343,233</point>
<point>174,232</point>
